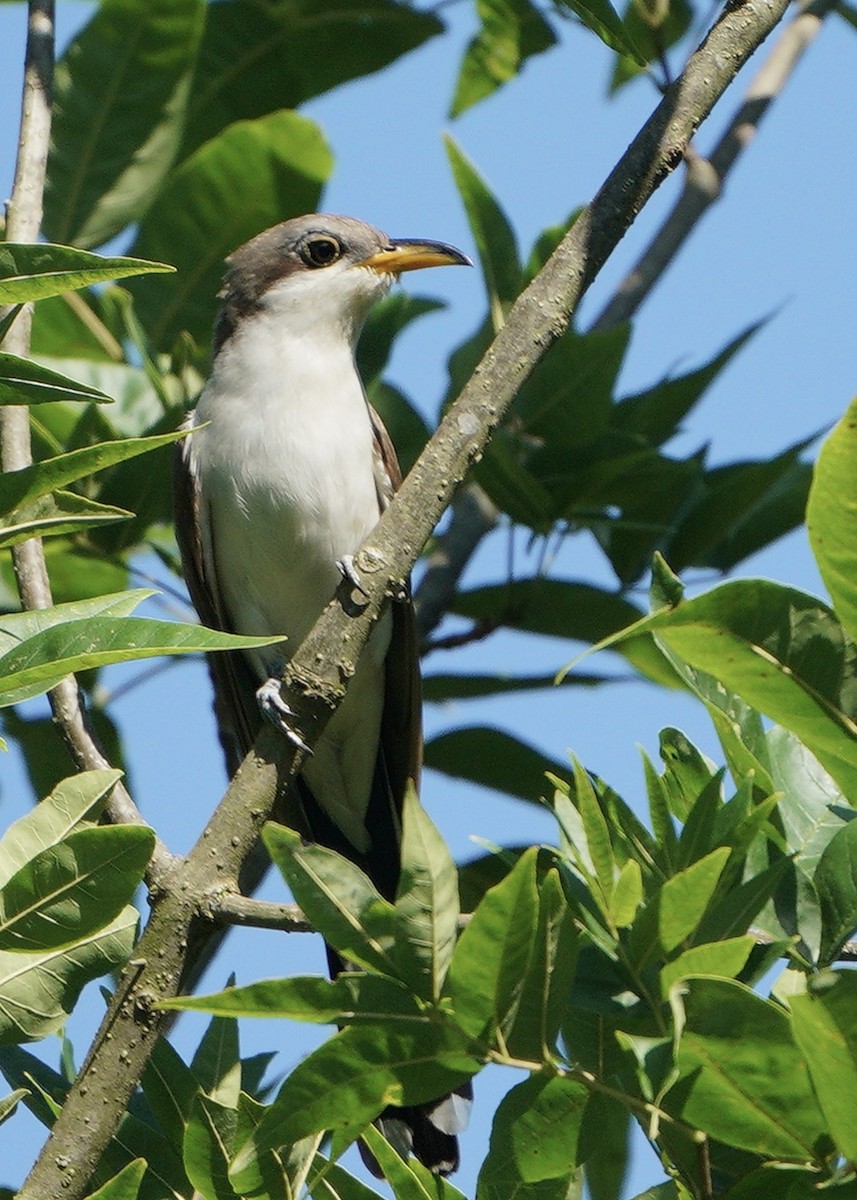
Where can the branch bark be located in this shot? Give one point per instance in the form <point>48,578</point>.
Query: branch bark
<point>24,219</point>
<point>317,675</point>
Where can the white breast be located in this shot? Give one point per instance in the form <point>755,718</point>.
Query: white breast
<point>285,470</point>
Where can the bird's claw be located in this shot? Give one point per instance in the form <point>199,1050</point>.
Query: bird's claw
<point>274,709</point>
<point>350,573</point>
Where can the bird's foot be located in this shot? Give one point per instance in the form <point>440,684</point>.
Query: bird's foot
<point>274,709</point>
<point>350,573</point>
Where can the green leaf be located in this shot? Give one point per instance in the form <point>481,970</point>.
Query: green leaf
<point>830,518</point>
<point>330,1181</point>
<point>207,1148</point>
<point>390,317</point>
<point>742,1079</point>
<point>685,897</point>
<point>257,58</point>
<point>782,651</point>
<point>31,271</point>
<point>123,1186</point>
<point>427,906</point>
<point>836,884</point>
<point>70,890</point>
<point>605,1147</point>
<point>651,28</point>
<point>16,627</point>
<point>23,381</point>
<point>438,688</point>
<point>20,488</point>
<point>548,982</point>
<point>493,759</point>
<point>349,998</point>
<point>120,95</point>
<point>338,899</point>
<point>824,1027</point>
<point>687,771</point>
<point>52,516</point>
<point>603,20</point>
<point>627,894</point>
<point>37,663</point>
<point>397,1172</point>
<point>510,32</point>
<point>727,958</point>
<point>72,803</point>
<point>534,1137</point>
<point>656,413</point>
<point>489,967</point>
<point>492,233</point>
<point>9,1103</point>
<point>740,508</point>
<point>563,608</point>
<point>252,175</point>
<point>594,847</point>
<point>216,1062</point>
<point>39,990</point>
<point>170,1090</point>
<point>351,1078</point>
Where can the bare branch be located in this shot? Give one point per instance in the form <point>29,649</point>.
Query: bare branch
<point>318,673</point>
<point>24,219</point>
<point>704,178</point>
<point>229,908</point>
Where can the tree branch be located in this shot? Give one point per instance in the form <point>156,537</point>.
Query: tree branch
<point>24,219</point>
<point>317,674</point>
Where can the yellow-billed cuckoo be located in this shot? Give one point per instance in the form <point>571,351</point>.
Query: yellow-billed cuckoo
<point>285,472</point>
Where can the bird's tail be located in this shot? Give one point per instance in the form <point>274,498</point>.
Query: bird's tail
<point>428,1131</point>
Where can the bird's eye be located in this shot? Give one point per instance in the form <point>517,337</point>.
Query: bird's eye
<point>321,251</point>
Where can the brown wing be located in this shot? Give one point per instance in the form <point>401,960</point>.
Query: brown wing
<point>401,730</point>
<point>235,707</point>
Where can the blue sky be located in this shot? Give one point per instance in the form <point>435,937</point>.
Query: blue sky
<point>781,241</point>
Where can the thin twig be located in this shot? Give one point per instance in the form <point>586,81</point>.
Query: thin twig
<point>24,219</point>
<point>705,177</point>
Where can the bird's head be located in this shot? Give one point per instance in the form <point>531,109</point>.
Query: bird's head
<point>321,272</point>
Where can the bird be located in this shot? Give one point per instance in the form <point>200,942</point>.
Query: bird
<point>285,470</point>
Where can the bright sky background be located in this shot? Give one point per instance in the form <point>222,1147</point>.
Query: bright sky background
<point>780,242</point>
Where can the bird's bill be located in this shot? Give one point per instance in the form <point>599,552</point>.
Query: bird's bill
<point>409,254</point>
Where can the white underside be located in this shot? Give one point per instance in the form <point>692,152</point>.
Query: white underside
<point>285,468</point>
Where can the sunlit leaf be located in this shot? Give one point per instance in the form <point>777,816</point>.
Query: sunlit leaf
<point>71,889</point>
<point>23,381</point>
<point>824,1028</point>
<point>247,178</point>
<point>120,94</point>
<point>510,32</point>
<point>31,271</point>
<point>742,1079</point>
<point>39,990</point>
<point>831,518</point>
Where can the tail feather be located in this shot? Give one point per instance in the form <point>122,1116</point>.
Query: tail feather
<point>428,1131</point>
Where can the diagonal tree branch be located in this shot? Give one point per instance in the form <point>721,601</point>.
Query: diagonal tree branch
<point>318,673</point>
<point>24,219</point>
